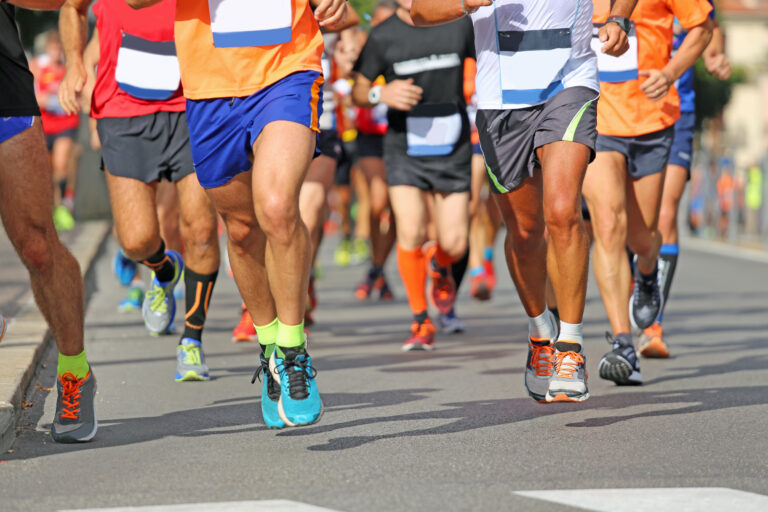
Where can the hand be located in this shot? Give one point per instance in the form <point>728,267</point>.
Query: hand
<point>472,5</point>
<point>401,94</point>
<point>87,93</point>
<point>718,65</point>
<point>71,86</point>
<point>615,39</point>
<point>657,84</point>
<point>330,12</point>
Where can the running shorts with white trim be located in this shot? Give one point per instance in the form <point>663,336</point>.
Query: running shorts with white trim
<point>147,148</point>
<point>509,138</point>
<point>14,125</point>
<point>682,143</point>
<point>646,154</point>
<point>223,130</point>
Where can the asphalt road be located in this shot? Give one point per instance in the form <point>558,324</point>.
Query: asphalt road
<point>449,430</point>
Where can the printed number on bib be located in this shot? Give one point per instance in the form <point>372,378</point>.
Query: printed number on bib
<point>243,23</point>
<point>616,69</point>
<point>433,129</point>
<point>147,70</point>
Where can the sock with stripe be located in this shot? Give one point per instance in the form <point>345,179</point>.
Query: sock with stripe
<point>289,336</point>
<point>413,270</point>
<point>160,264</point>
<point>267,335</point>
<point>540,327</point>
<point>667,265</point>
<point>76,365</point>
<point>199,288</point>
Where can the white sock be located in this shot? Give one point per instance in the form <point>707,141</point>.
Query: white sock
<point>571,332</point>
<point>541,327</point>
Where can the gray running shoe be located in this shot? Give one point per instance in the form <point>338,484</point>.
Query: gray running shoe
<point>75,419</point>
<point>646,301</point>
<point>159,308</point>
<point>621,364</point>
<point>569,381</point>
<point>539,364</point>
<point>190,364</point>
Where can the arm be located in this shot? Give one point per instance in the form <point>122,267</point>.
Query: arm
<point>90,61</point>
<point>397,94</point>
<point>351,20</point>
<point>74,30</point>
<point>435,12</point>
<point>50,5</point>
<point>616,42</point>
<point>714,56</point>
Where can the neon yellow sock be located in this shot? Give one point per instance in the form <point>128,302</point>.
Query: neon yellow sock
<point>290,336</point>
<point>76,365</point>
<point>267,335</point>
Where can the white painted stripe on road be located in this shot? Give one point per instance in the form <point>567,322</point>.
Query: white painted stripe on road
<point>683,499</point>
<point>227,506</point>
<point>723,249</point>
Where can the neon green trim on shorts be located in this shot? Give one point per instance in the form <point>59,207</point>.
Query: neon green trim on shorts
<point>496,183</point>
<point>571,131</point>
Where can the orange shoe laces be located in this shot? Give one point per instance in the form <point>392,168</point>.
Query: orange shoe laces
<point>541,359</point>
<point>70,395</point>
<point>565,369</point>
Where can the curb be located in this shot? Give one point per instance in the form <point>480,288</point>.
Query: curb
<point>724,249</point>
<point>27,334</point>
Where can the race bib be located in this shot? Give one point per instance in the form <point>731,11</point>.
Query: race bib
<point>616,69</point>
<point>148,70</point>
<point>433,129</point>
<point>241,23</point>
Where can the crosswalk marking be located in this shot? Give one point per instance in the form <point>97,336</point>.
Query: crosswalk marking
<point>227,506</point>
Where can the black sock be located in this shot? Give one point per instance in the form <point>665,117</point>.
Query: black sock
<point>668,263</point>
<point>62,184</point>
<point>420,318</point>
<point>160,264</point>
<point>459,268</point>
<point>199,288</point>
<point>375,272</point>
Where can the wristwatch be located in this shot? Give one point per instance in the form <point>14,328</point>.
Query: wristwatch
<point>622,22</point>
<point>374,95</point>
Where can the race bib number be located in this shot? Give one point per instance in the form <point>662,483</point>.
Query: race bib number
<point>616,69</point>
<point>433,129</point>
<point>243,23</point>
<point>147,70</point>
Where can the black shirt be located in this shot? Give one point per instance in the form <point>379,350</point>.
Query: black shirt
<point>17,89</point>
<point>432,56</point>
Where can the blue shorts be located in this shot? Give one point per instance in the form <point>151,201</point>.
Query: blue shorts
<point>682,144</point>
<point>476,149</point>
<point>222,130</point>
<point>12,126</point>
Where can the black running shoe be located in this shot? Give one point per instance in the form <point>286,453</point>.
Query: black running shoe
<point>646,301</point>
<point>621,364</point>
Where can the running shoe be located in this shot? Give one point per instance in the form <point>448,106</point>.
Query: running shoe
<point>343,255</point>
<point>450,323</point>
<point>422,336</point>
<point>75,418</point>
<point>569,374</point>
<point>479,287</point>
<point>381,284</point>
<point>360,251</point>
<point>442,287</point>
<point>270,393</point>
<point>300,402</point>
<point>124,268</point>
<point>133,301</point>
<point>3,326</point>
<point>62,219</point>
<point>652,342</point>
<point>538,368</point>
<point>620,364</point>
<point>190,361</point>
<point>364,289</point>
<point>490,271</point>
<point>159,308</point>
<point>646,301</point>
<point>244,331</point>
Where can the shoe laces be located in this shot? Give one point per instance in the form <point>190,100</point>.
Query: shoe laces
<point>70,395</point>
<point>646,291</point>
<point>541,359</point>
<point>192,355</point>
<point>156,295</point>
<point>298,370</point>
<point>273,391</point>
<point>567,363</point>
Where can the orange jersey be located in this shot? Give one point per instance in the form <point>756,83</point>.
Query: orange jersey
<point>623,109</point>
<point>229,48</point>
<point>470,72</point>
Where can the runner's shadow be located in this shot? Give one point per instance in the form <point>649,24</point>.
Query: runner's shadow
<point>746,363</point>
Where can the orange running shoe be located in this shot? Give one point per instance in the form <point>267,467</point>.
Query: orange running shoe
<point>385,293</point>
<point>422,336</point>
<point>442,287</point>
<point>244,331</point>
<point>490,272</point>
<point>363,290</point>
<point>479,287</point>
<point>652,342</point>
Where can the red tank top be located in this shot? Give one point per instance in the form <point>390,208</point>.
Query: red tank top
<point>138,73</point>
<point>49,76</point>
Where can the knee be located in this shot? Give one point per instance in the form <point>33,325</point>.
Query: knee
<point>609,225</point>
<point>279,218</point>
<point>312,210</point>
<point>526,238</point>
<point>454,246</point>
<point>200,233</point>
<point>378,205</point>
<point>138,246</point>
<point>667,217</point>
<point>242,235</point>
<point>36,250</point>
<point>411,234</point>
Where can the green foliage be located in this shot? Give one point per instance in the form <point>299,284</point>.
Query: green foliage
<point>712,95</point>
<point>364,9</point>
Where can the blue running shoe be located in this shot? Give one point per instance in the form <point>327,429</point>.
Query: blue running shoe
<point>133,301</point>
<point>190,361</point>
<point>179,292</point>
<point>124,268</point>
<point>270,393</point>
<point>300,402</point>
<point>159,307</point>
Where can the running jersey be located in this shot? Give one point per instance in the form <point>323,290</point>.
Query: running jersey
<point>529,50</point>
<point>17,90</point>
<point>234,48</point>
<point>328,117</point>
<point>470,96</point>
<point>434,58</point>
<point>624,110</point>
<point>684,84</point>
<point>48,77</point>
<point>138,72</point>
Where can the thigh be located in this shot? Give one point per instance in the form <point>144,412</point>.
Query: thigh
<point>521,208</point>
<point>321,171</point>
<point>193,201</point>
<point>564,165</point>
<point>410,211</point>
<point>133,204</point>
<point>644,201</point>
<point>452,215</point>
<point>604,184</point>
<point>674,185</point>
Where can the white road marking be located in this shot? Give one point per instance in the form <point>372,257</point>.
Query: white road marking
<point>683,499</point>
<point>227,506</point>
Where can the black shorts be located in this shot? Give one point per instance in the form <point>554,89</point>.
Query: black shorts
<point>452,173</point>
<point>146,148</point>
<point>370,146</point>
<point>50,139</point>
<point>344,166</point>
<point>509,138</point>
<point>646,154</point>
<point>329,144</point>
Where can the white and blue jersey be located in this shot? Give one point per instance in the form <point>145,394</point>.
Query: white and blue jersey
<point>529,50</point>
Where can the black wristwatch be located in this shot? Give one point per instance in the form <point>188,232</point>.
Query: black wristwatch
<point>622,22</point>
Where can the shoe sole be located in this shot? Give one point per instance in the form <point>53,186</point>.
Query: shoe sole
<point>617,369</point>
<point>482,293</point>
<point>85,439</point>
<point>288,423</point>
<point>244,339</point>
<point>563,396</point>
<point>191,376</point>
<point>654,350</point>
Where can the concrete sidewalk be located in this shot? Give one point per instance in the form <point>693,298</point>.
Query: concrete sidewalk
<point>27,333</point>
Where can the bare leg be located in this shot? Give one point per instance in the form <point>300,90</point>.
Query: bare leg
<point>198,226</point>
<point>313,198</point>
<point>167,200</point>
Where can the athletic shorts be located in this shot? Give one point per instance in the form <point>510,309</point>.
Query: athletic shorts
<point>646,154</point>
<point>370,145</point>
<point>223,130</point>
<point>14,125</point>
<point>682,142</point>
<point>451,174</point>
<point>329,144</point>
<point>476,150</point>
<point>147,148</point>
<point>344,166</point>
<point>509,138</point>
<point>50,139</point>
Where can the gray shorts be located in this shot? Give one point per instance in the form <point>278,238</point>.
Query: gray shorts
<point>146,148</point>
<point>509,138</point>
<point>646,154</point>
<point>451,174</point>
